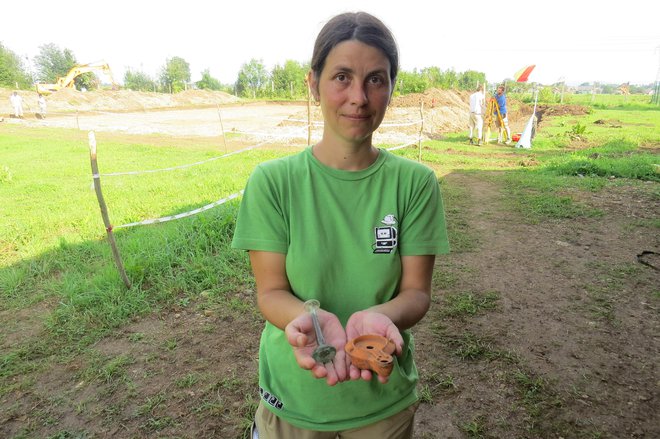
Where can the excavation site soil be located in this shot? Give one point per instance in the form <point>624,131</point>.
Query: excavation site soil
<point>562,341</point>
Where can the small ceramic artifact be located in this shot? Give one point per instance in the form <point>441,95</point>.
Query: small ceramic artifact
<point>372,352</point>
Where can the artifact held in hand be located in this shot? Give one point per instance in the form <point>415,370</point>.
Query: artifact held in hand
<point>324,353</point>
<point>372,352</point>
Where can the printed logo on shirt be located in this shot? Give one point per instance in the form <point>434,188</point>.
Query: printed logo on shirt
<point>386,236</point>
<point>271,399</point>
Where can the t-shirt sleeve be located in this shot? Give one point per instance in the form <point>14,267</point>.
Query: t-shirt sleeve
<point>261,223</point>
<point>423,229</point>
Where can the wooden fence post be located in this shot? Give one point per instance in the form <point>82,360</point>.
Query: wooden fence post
<point>421,128</point>
<point>222,128</point>
<point>104,209</point>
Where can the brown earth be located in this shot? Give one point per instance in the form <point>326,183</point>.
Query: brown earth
<point>69,100</point>
<point>568,350</point>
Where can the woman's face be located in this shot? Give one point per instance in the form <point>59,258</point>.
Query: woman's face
<point>354,90</point>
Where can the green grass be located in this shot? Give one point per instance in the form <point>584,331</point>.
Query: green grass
<point>474,428</point>
<point>461,238</point>
<point>468,304</point>
<point>638,102</point>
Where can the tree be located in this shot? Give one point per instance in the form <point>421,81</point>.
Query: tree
<point>289,79</point>
<point>252,79</point>
<point>412,82</point>
<point>12,71</point>
<point>53,62</point>
<point>469,79</point>
<point>175,75</point>
<point>546,96</point>
<point>208,82</point>
<point>449,80</point>
<point>609,88</point>
<point>433,76</point>
<point>138,81</point>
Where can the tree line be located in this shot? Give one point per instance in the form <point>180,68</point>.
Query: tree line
<point>254,80</point>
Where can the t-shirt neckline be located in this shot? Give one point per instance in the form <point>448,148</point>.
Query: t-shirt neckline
<point>348,175</point>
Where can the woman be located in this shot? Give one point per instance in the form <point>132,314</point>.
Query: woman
<point>354,227</point>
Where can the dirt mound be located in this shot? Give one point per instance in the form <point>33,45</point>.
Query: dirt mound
<point>543,111</point>
<point>70,100</point>
<point>433,98</point>
<point>445,112</point>
<point>563,110</point>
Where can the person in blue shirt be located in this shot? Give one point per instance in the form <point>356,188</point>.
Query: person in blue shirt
<point>500,97</point>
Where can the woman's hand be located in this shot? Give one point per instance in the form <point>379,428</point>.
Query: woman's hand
<point>302,337</point>
<point>371,322</point>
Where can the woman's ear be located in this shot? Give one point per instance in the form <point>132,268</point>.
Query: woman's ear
<point>313,85</point>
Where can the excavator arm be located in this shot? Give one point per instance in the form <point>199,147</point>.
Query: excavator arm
<point>68,80</point>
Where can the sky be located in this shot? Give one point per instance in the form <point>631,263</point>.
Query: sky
<point>574,41</point>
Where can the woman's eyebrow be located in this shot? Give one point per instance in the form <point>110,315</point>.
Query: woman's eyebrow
<point>350,70</point>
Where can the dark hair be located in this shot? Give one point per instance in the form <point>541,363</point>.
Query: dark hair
<point>359,26</point>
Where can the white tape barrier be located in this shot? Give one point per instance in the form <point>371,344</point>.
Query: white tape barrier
<point>303,133</point>
<point>173,168</point>
<point>401,146</point>
<point>382,125</point>
<point>402,124</point>
<point>181,215</point>
<point>208,206</point>
<point>315,123</point>
<point>215,203</point>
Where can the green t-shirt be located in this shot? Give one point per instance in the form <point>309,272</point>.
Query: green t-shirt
<point>343,233</point>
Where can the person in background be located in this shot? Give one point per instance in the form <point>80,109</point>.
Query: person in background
<point>42,106</point>
<point>500,97</point>
<point>356,228</point>
<point>17,104</point>
<point>476,122</point>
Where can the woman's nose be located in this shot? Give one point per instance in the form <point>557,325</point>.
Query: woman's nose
<point>358,93</point>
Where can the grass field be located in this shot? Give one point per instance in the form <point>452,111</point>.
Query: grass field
<point>57,274</point>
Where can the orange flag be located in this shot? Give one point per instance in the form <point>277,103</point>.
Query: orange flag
<point>522,75</point>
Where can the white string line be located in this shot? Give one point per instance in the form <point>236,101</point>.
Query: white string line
<point>402,124</point>
<point>273,136</point>
<point>206,207</point>
<point>222,200</point>
<point>181,215</point>
<point>173,168</point>
<point>400,146</point>
<point>305,121</point>
<point>270,136</point>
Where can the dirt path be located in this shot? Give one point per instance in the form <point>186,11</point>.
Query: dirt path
<point>571,349</point>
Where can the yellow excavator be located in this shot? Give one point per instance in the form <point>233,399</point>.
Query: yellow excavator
<point>68,80</point>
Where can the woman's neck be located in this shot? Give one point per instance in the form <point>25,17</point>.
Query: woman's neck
<point>346,156</point>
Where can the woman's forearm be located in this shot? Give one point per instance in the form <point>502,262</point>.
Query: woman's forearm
<point>406,309</point>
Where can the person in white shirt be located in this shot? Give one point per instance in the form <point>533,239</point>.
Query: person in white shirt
<point>42,106</point>
<point>476,122</point>
<point>17,105</point>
